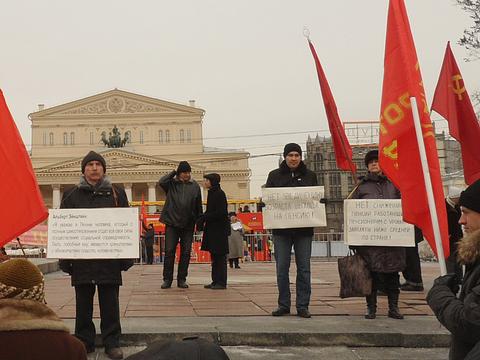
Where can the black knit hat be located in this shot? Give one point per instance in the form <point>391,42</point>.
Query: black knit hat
<point>470,198</point>
<point>93,156</point>
<point>183,166</point>
<point>213,177</point>
<point>291,147</point>
<point>371,155</point>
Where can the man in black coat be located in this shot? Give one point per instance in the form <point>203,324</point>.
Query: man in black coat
<point>148,239</point>
<point>182,208</point>
<point>216,229</point>
<point>292,172</point>
<point>96,191</point>
<point>461,315</point>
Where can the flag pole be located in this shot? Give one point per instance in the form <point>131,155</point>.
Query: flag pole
<point>428,187</point>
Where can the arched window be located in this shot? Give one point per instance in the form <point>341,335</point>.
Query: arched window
<point>51,138</point>
<point>167,136</point>
<point>160,136</point>
<point>65,138</point>
<point>72,138</point>
<point>182,136</point>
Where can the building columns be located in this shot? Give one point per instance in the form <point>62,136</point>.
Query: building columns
<point>128,190</point>
<point>152,196</point>
<point>56,196</point>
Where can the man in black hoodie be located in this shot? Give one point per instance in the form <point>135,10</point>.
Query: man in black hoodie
<point>292,172</point>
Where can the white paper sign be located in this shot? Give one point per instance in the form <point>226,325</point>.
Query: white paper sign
<point>106,233</point>
<point>293,207</point>
<point>376,222</point>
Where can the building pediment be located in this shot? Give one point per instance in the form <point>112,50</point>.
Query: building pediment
<point>118,161</point>
<point>117,102</point>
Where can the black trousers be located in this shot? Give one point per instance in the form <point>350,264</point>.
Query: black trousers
<point>172,236</point>
<point>149,250</point>
<point>109,314</point>
<point>219,269</point>
<point>413,271</point>
<point>387,282</point>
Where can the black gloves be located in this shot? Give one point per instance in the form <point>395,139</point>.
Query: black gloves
<point>449,280</point>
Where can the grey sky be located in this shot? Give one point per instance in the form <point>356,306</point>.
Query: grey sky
<point>245,62</point>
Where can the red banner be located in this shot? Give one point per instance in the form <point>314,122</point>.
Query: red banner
<point>251,221</point>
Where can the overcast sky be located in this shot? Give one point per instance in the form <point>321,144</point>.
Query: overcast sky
<point>245,62</point>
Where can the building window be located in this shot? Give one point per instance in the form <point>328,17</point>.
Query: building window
<point>141,137</point>
<point>65,138</point>
<point>51,139</point>
<point>160,136</point>
<point>167,136</point>
<point>44,138</point>
<point>91,137</point>
<point>182,136</point>
<point>72,138</point>
<point>189,135</point>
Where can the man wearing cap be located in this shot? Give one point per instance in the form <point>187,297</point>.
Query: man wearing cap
<point>292,172</point>
<point>96,191</point>
<point>182,208</point>
<point>461,315</point>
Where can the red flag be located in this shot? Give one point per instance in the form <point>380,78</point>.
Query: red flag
<point>342,148</point>
<point>23,206</point>
<point>398,148</point>
<point>143,212</point>
<point>451,101</point>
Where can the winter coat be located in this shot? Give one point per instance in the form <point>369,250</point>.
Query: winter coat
<point>29,330</point>
<point>85,196</point>
<point>215,222</point>
<point>235,242</point>
<point>183,204</point>
<point>148,236</point>
<point>285,177</point>
<point>461,316</point>
<point>384,259</point>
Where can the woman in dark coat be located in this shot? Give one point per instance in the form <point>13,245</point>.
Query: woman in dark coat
<point>384,262</point>
<point>216,229</point>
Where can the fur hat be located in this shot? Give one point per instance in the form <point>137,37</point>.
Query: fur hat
<point>183,166</point>
<point>371,155</point>
<point>20,279</point>
<point>213,177</point>
<point>470,198</point>
<point>93,156</point>
<point>291,147</point>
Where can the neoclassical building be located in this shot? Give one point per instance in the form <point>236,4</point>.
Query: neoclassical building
<point>141,138</point>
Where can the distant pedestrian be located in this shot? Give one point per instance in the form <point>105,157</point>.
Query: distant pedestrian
<point>182,208</point>
<point>148,239</point>
<point>455,233</point>
<point>216,228</point>
<point>413,271</point>
<point>235,241</point>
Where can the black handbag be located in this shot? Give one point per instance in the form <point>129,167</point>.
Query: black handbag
<point>355,277</point>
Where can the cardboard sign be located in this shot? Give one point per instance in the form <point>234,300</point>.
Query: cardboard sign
<point>373,222</point>
<point>107,233</point>
<point>293,207</point>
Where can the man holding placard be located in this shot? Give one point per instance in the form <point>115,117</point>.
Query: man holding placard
<point>384,262</point>
<point>96,191</point>
<point>292,172</point>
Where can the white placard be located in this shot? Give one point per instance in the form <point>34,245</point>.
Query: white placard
<point>293,207</point>
<point>106,233</point>
<point>376,222</point>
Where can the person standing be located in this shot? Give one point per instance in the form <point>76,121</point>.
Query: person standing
<point>96,191</point>
<point>461,315</point>
<point>148,239</point>
<point>413,271</point>
<point>455,233</point>
<point>235,241</point>
<point>292,172</point>
<point>384,262</point>
<point>182,208</point>
<point>216,229</point>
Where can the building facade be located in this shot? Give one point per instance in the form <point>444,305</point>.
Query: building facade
<point>141,138</point>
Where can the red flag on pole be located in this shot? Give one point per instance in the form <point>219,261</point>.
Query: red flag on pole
<point>23,206</point>
<point>398,148</point>
<point>143,212</point>
<point>342,148</point>
<point>451,101</point>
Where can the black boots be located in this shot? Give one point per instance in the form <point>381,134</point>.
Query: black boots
<point>371,305</point>
<point>393,311</point>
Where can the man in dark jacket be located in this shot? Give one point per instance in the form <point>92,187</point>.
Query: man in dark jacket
<point>455,232</point>
<point>96,191</point>
<point>148,239</point>
<point>292,172</point>
<point>461,316</point>
<point>182,208</point>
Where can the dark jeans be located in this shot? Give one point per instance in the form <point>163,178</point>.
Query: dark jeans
<point>172,236</point>
<point>219,269</point>
<point>413,271</point>
<point>109,314</point>
<point>386,282</point>
<point>302,246</point>
<point>149,254</point>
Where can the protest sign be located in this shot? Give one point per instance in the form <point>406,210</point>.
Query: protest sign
<point>106,233</point>
<point>373,222</point>
<point>293,207</point>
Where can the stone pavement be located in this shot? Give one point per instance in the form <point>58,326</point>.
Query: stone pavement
<point>251,292</point>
